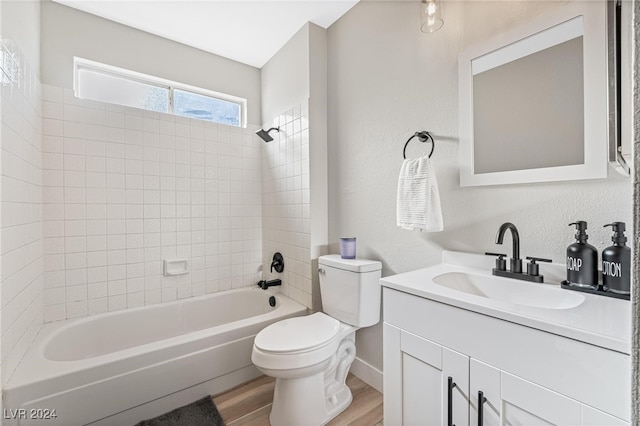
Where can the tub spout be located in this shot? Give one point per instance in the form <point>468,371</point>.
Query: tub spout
<point>263,284</point>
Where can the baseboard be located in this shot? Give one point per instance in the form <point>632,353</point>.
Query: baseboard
<point>367,373</point>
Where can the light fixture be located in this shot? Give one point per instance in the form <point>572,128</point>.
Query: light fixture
<point>430,16</point>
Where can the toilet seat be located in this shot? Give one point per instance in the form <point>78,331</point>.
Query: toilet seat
<point>299,334</point>
<point>298,342</point>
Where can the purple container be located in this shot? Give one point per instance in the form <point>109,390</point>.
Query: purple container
<point>348,248</point>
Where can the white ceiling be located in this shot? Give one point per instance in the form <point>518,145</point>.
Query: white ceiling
<point>248,31</point>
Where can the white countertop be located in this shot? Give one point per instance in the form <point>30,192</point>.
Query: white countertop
<point>599,320</point>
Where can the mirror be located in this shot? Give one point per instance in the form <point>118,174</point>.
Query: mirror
<point>533,101</point>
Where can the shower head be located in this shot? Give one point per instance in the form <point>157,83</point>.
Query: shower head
<point>264,134</point>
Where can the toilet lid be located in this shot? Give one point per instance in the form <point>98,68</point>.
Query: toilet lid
<point>298,334</point>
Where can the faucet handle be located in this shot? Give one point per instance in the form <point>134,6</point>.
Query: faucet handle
<point>538,259</point>
<point>532,266</point>
<point>277,262</point>
<point>501,264</point>
<point>494,254</point>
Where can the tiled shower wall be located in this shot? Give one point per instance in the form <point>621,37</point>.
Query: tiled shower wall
<point>124,189</point>
<point>21,224</point>
<point>286,223</point>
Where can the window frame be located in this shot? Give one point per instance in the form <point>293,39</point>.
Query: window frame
<point>110,70</point>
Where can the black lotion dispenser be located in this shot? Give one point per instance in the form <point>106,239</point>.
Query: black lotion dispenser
<point>616,262</point>
<point>582,259</point>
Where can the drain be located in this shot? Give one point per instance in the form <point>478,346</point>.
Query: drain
<point>272,301</point>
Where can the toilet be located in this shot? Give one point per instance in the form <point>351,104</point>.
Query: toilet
<point>310,356</point>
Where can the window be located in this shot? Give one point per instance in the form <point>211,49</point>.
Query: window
<point>109,84</point>
<point>195,105</point>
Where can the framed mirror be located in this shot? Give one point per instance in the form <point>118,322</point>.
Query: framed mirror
<point>534,101</point>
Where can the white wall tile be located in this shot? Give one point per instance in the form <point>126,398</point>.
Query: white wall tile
<point>285,203</point>
<point>97,258</point>
<point>117,287</point>
<point>97,274</point>
<point>96,227</point>
<point>132,190</point>
<point>21,229</point>
<point>54,296</point>
<point>97,290</point>
<point>55,312</point>
<point>97,196</point>
<point>96,243</point>
<point>97,306</point>
<point>118,302</point>
<point>75,245</point>
<point>76,276</point>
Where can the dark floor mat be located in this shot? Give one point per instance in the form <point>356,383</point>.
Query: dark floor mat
<point>199,413</point>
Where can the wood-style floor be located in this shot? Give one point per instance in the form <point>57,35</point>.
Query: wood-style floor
<point>250,404</point>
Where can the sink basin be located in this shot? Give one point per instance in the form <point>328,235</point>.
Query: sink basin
<point>510,290</point>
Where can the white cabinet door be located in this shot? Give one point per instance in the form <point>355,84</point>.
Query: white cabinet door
<point>417,389</point>
<point>392,379</point>
<point>510,400</point>
<point>593,417</point>
<point>525,403</point>
<point>485,396</point>
<point>455,369</point>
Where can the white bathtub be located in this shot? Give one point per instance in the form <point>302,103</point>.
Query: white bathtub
<point>122,367</point>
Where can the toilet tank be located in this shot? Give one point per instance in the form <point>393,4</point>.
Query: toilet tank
<point>350,289</point>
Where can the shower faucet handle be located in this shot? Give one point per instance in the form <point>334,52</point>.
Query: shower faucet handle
<point>277,262</point>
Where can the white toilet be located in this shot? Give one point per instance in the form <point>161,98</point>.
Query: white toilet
<point>310,356</point>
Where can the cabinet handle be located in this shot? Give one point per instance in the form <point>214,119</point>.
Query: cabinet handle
<point>481,401</point>
<point>450,386</point>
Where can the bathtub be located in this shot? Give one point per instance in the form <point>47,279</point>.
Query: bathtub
<point>122,367</point>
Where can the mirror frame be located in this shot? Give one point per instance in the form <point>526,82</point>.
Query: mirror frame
<point>620,43</point>
<point>596,109</point>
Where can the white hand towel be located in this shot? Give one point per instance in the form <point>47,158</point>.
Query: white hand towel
<point>418,197</point>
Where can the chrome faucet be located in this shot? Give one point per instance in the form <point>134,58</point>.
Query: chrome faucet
<point>516,262</point>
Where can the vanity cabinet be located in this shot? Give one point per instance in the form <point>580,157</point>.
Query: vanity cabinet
<point>525,376</point>
<point>433,380</point>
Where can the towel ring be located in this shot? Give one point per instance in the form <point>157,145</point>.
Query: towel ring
<point>422,136</point>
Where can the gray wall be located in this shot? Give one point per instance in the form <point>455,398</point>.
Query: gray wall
<point>318,138</point>
<point>388,80</point>
<point>285,77</point>
<point>21,24</point>
<point>68,32</point>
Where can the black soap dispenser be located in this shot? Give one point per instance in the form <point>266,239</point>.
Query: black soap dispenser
<point>616,262</point>
<point>582,260</point>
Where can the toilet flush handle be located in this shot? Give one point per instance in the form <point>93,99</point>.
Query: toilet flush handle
<point>321,271</point>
